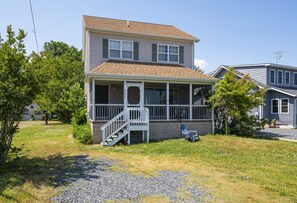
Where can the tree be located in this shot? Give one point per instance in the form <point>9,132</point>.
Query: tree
<point>59,66</point>
<point>232,99</point>
<point>18,87</point>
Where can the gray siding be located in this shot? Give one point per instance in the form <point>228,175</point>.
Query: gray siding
<point>257,73</point>
<point>145,49</point>
<point>282,85</point>
<point>281,118</point>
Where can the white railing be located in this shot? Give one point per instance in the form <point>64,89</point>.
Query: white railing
<point>114,125</point>
<point>138,116</point>
<point>179,112</point>
<point>157,112</point>
<point>106,112</point>
<point>201,112</point>
<point>129,116</point>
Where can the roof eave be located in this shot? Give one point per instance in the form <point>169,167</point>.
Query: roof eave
<point>149,78</point>
<point>135,33</point>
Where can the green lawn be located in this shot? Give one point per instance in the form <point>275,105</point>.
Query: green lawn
<point>232,169</point>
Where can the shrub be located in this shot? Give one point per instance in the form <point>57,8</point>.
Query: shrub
<point>83,133</point>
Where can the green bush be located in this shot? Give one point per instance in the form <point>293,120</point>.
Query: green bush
<point>82,133</point>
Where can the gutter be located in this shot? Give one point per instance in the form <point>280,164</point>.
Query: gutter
<point>149,78</point>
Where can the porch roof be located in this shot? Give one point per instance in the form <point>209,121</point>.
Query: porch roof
<point>152,70</point>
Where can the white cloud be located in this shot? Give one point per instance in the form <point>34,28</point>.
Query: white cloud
<point>201,63</point>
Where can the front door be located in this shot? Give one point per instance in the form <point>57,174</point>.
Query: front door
<point>133,95</point>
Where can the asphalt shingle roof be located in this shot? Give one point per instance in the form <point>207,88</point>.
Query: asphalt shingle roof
<point>134,27</point>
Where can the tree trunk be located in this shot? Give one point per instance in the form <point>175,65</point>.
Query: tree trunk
<point>226,125</point>
<point>46,118</point>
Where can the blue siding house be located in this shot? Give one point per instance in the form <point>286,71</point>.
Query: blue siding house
<point>281,84</point>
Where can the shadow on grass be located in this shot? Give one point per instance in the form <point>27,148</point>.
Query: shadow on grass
<point>56,170</point>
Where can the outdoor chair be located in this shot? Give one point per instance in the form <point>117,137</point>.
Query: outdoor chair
<point>190,135</point>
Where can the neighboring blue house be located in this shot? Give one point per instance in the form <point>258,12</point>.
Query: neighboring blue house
<point>281,84</point>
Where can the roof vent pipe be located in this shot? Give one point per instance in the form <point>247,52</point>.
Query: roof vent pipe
<point>128,23</point>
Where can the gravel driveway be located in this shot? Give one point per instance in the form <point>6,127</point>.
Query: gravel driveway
<point>279,133</point>
<point>103,184</point>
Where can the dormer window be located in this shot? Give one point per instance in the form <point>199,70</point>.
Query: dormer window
<point>272,76</point>
<point>280,77</point>
<point>168,53</point>
<point>287,76</point>
<point>120,49</point>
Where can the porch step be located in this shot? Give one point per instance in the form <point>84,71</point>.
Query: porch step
<point>104,144</point>
<point>114,136</point>
<point>109,140</point>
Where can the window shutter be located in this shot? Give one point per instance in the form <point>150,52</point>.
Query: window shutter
<point>154,52</point>
<point>181,54</point>
<point>136,51</point>
<point>105,48</point>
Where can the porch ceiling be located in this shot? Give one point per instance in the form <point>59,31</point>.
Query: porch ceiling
<point>153,70</point>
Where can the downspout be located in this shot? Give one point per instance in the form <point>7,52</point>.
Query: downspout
<point>295,114</point>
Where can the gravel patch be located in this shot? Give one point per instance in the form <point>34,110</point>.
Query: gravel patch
<point>103,184</point>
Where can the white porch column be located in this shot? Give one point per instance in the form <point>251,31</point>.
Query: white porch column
<point>191,101</point>
<point>212,114</point>
<point>167,100</point>
<point>142,95</point>
<point>125,94</point>
<point>93,99</point>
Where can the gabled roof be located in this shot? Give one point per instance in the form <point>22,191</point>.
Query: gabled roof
<point>134,27</point>
<point>156,71</point>
<point>287,91</point>
<point>272,65</point>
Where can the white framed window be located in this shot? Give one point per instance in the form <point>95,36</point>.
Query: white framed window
<point>295,79</point>
<point>168,53</point>
<point>284,106</point>
<point>274,106</point>
<point>120,49</point>
<point>287,77</point>
<point>280,77</point>
<point>272,76</point>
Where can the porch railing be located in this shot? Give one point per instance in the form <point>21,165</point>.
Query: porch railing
<point>157,112</point>
<point>107,111</point>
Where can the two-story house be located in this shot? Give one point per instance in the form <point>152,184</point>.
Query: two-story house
<point>281,84</point>
<point>140,77</point>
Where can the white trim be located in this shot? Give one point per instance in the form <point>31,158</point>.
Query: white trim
<point>167,101</point>
<point>150,78</point>
<point>271,109</point>
<point>218,70</point>
<point>121,49</point>
<point>168,53</point>
<point>191,100</point>
<point>270,76</point>
<point>93,99</point>
<point>212,114</point>
<point>295,73</point>
<point>295,114</point>
<point>286,78</point>
<point>280,71</point>
<point>272,88</point>
<point>281,105</point>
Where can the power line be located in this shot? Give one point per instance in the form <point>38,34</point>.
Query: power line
<point>34,29</point>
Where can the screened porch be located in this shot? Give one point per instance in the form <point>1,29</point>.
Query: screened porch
<point>165,101</point>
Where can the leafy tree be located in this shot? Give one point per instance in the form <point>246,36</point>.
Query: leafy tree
<point>232,99</point>
<point>18,87</point>
<point>59,66</point>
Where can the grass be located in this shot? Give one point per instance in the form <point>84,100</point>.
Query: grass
<point>232,169</point>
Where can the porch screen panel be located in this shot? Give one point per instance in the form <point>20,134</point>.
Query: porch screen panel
<point>101,94</point>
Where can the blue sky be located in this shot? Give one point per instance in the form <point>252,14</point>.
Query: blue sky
<point>231,32</point>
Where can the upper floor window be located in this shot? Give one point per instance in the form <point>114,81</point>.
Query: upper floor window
<point>168,53</point>
<point>280,77</point>
<point>287,78</point>
<point>120,49</point>
<point>295,79</point>
<point>272,76</point>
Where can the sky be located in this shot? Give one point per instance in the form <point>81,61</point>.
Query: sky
<point>231,31</point>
